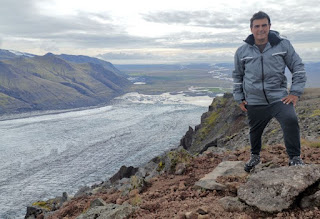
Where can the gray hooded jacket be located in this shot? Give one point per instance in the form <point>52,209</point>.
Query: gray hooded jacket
<point>259,78</point>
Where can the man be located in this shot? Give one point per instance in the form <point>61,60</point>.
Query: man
<point>260,86</point>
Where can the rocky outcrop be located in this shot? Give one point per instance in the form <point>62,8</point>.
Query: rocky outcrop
<point>42,207</point>
<point>276,189</point>
<point>187,139</point>
<point>224,126</point>
<point>97,202</point>
<point>218,126</point>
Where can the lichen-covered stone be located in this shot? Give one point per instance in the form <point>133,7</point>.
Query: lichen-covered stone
<point>274,190</point>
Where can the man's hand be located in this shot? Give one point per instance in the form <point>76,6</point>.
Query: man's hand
<point>242,106</point>
<point>290,99</point>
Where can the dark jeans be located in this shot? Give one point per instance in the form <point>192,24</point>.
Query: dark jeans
<point>259,117</point>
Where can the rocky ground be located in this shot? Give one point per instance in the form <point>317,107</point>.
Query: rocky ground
<point>175,196</point>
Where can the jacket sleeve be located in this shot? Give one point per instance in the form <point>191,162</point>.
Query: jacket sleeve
<point>237,76</point>
<point>295,65</point>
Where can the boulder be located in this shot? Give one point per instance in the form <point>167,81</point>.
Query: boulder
<point>110,211</point>
<point>138,183</point>
<point>191,215</point>
<point>83,191</point>
<point>232,204</point>
<point>203,210</point>
<point>33,212</point>
<point>171,159</point>
<point>124,172</point>
<point>311,200</point>
<point>225,168</point>
<point>274,190</point>
<point>150,169</point>
<point>180,169</point>
<point>64,198</point>
<point>97,202</point>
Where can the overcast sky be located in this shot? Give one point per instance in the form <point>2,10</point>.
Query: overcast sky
<point>153,31</point>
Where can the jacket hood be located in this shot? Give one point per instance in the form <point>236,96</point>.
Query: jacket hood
<point>273,38</point>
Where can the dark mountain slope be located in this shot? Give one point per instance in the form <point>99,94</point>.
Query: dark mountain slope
<point>49,82</point>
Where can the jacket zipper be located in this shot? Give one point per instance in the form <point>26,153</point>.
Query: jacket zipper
<point>264,92</point>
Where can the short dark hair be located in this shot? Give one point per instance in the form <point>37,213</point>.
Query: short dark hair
<point>259,15</point>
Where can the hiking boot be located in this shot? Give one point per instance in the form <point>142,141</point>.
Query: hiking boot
<point>254,160</point>
<point>296,161</point>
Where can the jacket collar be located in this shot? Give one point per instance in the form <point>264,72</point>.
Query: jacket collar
<point>273,38</point>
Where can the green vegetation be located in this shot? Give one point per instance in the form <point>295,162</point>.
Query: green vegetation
<point>314,144</point>
<point>43,205</point>
<point>274,131</point>
<point>210,121</point>
<point>136,200</point>
<point>231,136</point>
<point>4,99</point>
<point>161,166</point>
<point>208,124</point>
<point>316,113</point>
<point>136,182</point>
<point>173,158</point>
<point>180,156</point>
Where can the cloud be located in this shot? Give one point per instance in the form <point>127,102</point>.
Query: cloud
<point>22,19</point>
<point>202,40</point>
<point>127,56</point>
<point>39,26</point>
<point>308,54</point>
<point>203,18</point>
<point>169,56</point>
<point>49,46</point>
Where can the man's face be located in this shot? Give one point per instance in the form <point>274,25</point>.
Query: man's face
<point>260,30</point>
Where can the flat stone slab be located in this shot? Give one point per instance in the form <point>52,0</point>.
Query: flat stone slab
<point>274,190</point>
<point>109,211</point>
<point>225,168</point>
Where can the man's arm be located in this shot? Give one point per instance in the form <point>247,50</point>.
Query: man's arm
<point>237,76</point>
<point>295,65</point>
